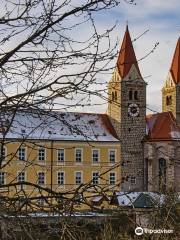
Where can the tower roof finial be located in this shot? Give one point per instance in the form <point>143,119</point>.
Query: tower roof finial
<point>127,29</point>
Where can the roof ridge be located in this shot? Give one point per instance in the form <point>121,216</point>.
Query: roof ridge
<point>93,113</point>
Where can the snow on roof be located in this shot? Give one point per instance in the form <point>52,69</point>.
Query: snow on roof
<point>99,198</point>
<point>159,198</point>
<point>126,199</point>
<point>56,214</point>
<point>56,125</point>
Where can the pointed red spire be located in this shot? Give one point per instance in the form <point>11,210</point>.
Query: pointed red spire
<point>126,56</point>
<point>175,66</point>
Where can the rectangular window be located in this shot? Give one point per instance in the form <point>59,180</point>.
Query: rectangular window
<point>78,155</point>
<point>95,178</point>
<point>2,178</point>
<point>95,156</point>
<point>41,154</point>
<point>112,178</point>
<point>60,155</point>
<point>21,177</point>
<point>3,154</point>
<point>22,154</point>
<point>133,180</point>
<point>60,178</point>
<point>78,199</point>
<point>21,201</point>
<point>112,156</point>
<point>41,202</point>
<point>78,179</point>
<point>41,178</point>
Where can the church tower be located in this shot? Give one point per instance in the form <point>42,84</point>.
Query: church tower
<point>127,112</point>
<point>171,89</point>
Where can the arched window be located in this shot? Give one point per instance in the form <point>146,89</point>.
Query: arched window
<point>130,95</point>
<point>112,96</point>
<point>162,175</point>
<point>115,96</point>
<point>170,100</point>
<point>167,101</point>
<point>136,95</point>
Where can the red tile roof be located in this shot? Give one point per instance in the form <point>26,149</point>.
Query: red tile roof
<point>162,126</point>
<point>175,66</point>
<point>108,125</point>
<point>126,56</point>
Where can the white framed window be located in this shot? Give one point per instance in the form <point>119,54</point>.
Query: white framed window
<point>41,154</point>
<point>78,178</point>
<point>95,155</point>
<point>61,155</point>
<point>60,178</point>
<point>60,200</point>
<point>41,178</point>
<point>78,198</point>
<point>112,156</point>
<point>95,178</point>
<point>21,177</point>
<point>78,155</point>
<point>2,178</point>
<point>112,178</point>
<point>21,200</point>
<point>3,154</point>
<point>133,180</point>
<point>41,202</point>
<point>22,153</point>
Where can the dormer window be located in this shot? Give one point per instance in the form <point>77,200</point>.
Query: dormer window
<point>23,131</point>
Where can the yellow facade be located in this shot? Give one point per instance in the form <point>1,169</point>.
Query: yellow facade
<point>106,166</point>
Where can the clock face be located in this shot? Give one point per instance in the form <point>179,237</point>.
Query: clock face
<point>133,110</point>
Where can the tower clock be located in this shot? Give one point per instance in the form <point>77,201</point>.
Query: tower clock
<point>133,110</point>
<point>127,113</point>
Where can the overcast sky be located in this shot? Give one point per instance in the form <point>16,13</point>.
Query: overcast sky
<point>162,19</point>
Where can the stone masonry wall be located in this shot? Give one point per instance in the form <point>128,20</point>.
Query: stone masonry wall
<point>170,151</point>
<point>130,130</point>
